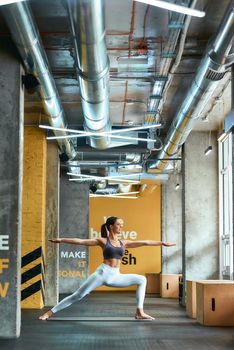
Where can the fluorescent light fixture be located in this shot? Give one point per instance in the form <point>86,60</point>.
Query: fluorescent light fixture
<point>85,175</point>
<point>111,196</point>
<point>127,175</point>
<point>174,7</point>
<point>208,150</point>
<point>113,178</point>
<point>117,131</point>
<point>100,134</point>
<point>124,194</point>
<point>8,2</point>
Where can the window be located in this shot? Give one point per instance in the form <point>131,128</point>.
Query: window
<point>225,207</point>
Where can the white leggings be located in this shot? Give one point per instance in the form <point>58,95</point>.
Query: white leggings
<point>107,276</point>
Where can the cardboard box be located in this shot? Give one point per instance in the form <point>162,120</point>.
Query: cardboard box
<point>153,283</point>
<point>215,303</point>
<point>191,299</point>
<point>191,304</point>
<point>169,285</point>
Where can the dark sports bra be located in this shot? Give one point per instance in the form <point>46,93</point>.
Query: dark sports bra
<point>112,252</point>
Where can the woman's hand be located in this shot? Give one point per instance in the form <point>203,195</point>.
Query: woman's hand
<point>57,240</point>
<point>168,244</point>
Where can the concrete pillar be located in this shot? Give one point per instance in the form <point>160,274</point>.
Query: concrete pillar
<point>52,225</point>
<point>74,222</point>
<point>232,277</point>
<point>33,233</point>
<point>201,207</point>
<point>171,225</point>
<point>190,213</point>
<point>11,156</point>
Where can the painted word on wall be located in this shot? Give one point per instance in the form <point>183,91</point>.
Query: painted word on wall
<point>4,265</point>
<point>123,235</point>
<point>128,258</point>
<point>81,264</point>
<point>73,255</point>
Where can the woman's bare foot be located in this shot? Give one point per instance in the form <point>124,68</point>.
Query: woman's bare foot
<point>45,316</point>
<point>141,315</point>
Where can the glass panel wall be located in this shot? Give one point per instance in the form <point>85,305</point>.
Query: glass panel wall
<point>226,207</point>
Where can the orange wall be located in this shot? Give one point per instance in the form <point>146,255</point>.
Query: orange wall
<point>142,218</point>
<point>34,210</point>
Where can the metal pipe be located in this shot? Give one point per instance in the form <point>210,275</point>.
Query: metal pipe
<point>110,157</point>
<point>87,25</point>
<point>26,37</point>
<point>176,25</point>
<point>212,69</point>
<point>158,103</point>
<point>183,197</point>
<point>232,87</point>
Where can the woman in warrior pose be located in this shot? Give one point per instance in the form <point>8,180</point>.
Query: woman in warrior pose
<point>108,273</point>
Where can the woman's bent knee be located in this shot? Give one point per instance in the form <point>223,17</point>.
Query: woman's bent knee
<point>76,296</point>
<point>142,280</point>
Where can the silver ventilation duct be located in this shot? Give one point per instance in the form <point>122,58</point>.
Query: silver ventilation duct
<point>176,33</point>
<point>110,157</point>
<point>88,30</point>
<point>212,69</point>
<point>26,37</point>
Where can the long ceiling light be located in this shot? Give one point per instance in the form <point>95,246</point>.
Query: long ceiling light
<point>83,177</point>
<point>115,177</point>
<point>101,178</point>
<point>100,134</point>
<point>117,131</point>
<point>174,7</point>
<point>111,196</point>
<point>115,194</point>
<point>7,2</point>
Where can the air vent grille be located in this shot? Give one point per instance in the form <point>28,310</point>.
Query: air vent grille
<point>212,75</point>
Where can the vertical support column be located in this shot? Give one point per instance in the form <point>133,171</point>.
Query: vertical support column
<point>201,207</point>
<point>232,277</point>
<point>171,226</point>
<point>183,197</point>
<point>11,157</point>
<point>34,203</point>
<point>74,223</point>
<point>172,216</point>
<point>52,225</point>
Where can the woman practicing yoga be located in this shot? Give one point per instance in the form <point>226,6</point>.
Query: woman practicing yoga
<point>108,272</point>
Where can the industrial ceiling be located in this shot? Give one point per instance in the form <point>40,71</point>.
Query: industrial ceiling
<point>149,59</point>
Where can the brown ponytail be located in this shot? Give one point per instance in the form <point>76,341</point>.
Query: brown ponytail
<point>106,227</point>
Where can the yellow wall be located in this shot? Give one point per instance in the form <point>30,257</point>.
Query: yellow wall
<point>142,218</point>
<point>33,219</point>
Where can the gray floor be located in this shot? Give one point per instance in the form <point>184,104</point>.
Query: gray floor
<point>92,327</point>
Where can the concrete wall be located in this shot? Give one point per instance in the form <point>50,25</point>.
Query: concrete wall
<point>233,201</point>
<point>201,207</point>
<point>11,160</point>
<point>74,223</point>
<point>172,225</point>
<point>52,225</point>
<point>201,212</point>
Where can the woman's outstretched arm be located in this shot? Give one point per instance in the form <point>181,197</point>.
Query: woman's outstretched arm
<point>78,241</point>
<point>136,244</point>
